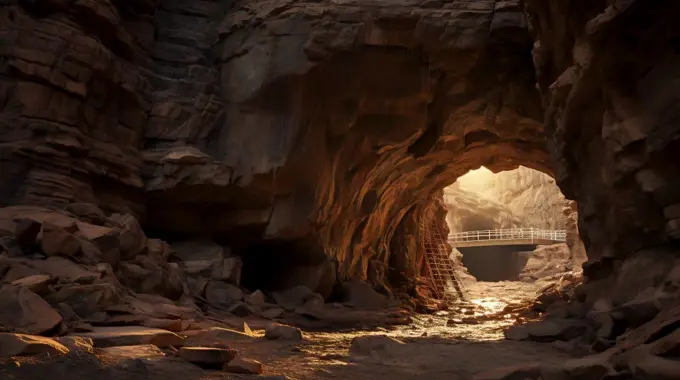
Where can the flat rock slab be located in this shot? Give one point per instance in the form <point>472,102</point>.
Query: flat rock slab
<point>547,330</point>
<point>36,283</point>
<point>207,356</point>
<point>244,366</point>
<point>214,337</point>
<point>21,344</point>
<point>516,372</point>
<point>143,351</point>
<point>132,336</point>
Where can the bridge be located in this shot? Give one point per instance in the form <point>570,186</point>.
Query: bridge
<point>513,236</point>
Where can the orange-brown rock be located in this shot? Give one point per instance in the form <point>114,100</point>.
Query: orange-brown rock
<point>321,130</point>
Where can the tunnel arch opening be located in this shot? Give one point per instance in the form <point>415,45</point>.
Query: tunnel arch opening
<point>510,226</point>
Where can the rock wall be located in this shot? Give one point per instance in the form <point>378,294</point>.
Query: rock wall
<point>529,194</point>
<point>547,261</point>
<point>574,242</point>
<point>608,75</point>
<point>255,120</point>
<point>467,211</point>
<point>330,123</point>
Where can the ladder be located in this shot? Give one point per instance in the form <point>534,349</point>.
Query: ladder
<point>447,286</point>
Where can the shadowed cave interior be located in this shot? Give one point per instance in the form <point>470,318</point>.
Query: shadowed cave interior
<point>193,188</point>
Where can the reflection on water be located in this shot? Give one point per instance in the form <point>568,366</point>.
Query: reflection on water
<point>492,305</point>
<point>482,318</point>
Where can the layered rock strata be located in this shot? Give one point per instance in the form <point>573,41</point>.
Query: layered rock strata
<point>331,123</point>
<point>530,195</point>
<point>608,75</point>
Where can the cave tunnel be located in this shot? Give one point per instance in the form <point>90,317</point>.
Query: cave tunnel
<point>511,201</point>
<point>272,265</point>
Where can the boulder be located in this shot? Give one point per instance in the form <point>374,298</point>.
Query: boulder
<point>86,300</point>
<point>241,309</point>
<point>371,345</point>
<point>146,276</point>
<point>175,282</point>
<point>20,344</point>
<point>158,250</point>
<point>319,278</point>
<point>228,270</point>
<point>136,352</point>
<point>361,294</point>
<point>157,306</point>
<point>132,237</point>
<point>23,311</point>
<point>17,270</point>
<point>37,283</point>
<point>244,366</point>
<point>132,336</point>
<point>256,298</point>
<point>64,270</point>
<point>77,343</point>
<point>198,257</point>
<point>298,296</point>
<point>222,293</point>
<point>275,331</point>
<point>100,244</point>
<point>58,241</point>
<point>207,357</point>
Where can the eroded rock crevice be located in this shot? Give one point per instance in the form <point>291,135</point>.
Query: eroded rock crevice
<point>291,125</point>
<point>317,134</point>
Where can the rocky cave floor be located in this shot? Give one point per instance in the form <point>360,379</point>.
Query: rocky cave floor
<point>464,341</point>
<point>175,312</point>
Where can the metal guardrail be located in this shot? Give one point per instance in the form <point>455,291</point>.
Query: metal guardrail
<point>509,234</point>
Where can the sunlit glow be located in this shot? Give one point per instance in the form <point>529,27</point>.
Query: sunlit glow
<point>491,305</point>
<point>477,180</point>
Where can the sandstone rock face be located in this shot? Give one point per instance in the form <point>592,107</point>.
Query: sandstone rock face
<point>610,133</point>
<point>156,110</point>
<point>362,111</point>
<point>527,194</point>
<point>547,260</point>
<point>468,211</point>
<point>574,241</point>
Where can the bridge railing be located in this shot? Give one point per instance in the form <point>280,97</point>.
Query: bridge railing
<point>509,234</point>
